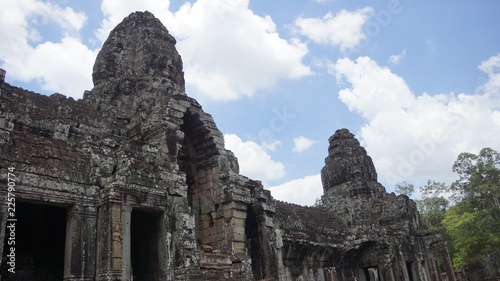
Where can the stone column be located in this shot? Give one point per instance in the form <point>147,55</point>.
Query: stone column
<point>432,263</point>
<point>236,214</point>
<point>420,268</point>
<point>109,253</point>
<point>126,243</point>
<point>80,245</point>
<point>266,234</point>
<point>443,249</point>
<point>165,252</point>
<point>388,271</point>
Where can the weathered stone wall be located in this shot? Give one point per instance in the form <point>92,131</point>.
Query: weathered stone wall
<point>389,235</point>
<point>148,191</point>
<point>135,143</point>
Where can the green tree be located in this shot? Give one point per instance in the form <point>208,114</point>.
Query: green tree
<point>479,180</point>
<point>405,188</point>
<point>471,233</point>
<point>433,208</point>
<point>473,223</point>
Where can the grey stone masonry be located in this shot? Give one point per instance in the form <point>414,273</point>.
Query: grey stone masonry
<point>133,182</point>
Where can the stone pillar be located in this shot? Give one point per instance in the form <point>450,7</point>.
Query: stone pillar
<point>109,253</point>
<point>401,268</point>
<point>432,263</point>
<point>80,248</point>
<point>235,213</point>
<point>126,243</point>
<point>165,252</point>
<point>419,274</point>
<point>421,269</point>
<point>388,270</point>
<point>443,250</point>
<point>267,233</point>
<point>373,273</point>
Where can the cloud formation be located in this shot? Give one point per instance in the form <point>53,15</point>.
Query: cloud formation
<point>67,56</point>
<point>254,161</point>
<point>212,36</point>
<point>302,143</point>
<point>418,137</point>
<point>303,191</point>
<point>343,30</point>
<point>395,59</point>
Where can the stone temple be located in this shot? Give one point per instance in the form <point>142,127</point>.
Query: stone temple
<point>133,183</point>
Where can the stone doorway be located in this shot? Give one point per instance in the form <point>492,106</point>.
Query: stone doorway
<point>40,233</point>
<point>371,273</point>
<point>253,243</point>
<point>144,244</point>
<point>409,268</point>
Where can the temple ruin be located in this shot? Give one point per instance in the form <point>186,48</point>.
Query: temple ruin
<point>133,182</point>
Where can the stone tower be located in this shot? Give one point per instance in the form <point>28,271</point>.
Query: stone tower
<point>133,183</point>
<point>136,174</point>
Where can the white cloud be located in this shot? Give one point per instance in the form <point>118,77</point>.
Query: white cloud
<point>416,138</point>
<point>302,191</point>
<point>271,145</point>
<point>395,59</point>
<point>491,67</point>
<point>64,66</point>
<point>344,30</point>
<point>213,37</point>
<point>374,88</point>
<point>302,143</point>
<point>61,66</point>
<point>254,161</point>
<point>115,11</point>
<point>214,34</point>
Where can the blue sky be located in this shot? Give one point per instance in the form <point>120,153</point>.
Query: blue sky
<point>417,82</point>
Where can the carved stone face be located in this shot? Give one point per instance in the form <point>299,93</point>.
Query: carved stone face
<point>137,51</point>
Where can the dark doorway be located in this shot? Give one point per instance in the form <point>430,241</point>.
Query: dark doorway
<point>40,233</point>
<point>371,273</point>
<point>253,243</point>
<point>188,163</point>
<point>409,268</point>
<point>144,245</point>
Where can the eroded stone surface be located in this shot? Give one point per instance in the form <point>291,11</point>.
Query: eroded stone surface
<point>138,160</point>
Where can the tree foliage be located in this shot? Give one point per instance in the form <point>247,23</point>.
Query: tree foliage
<point>405,188</point>
<point>472,233</point>
<point>472,224</point>
<point>474,221</point>
<point>479,180</point>
<point>433,208</point>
